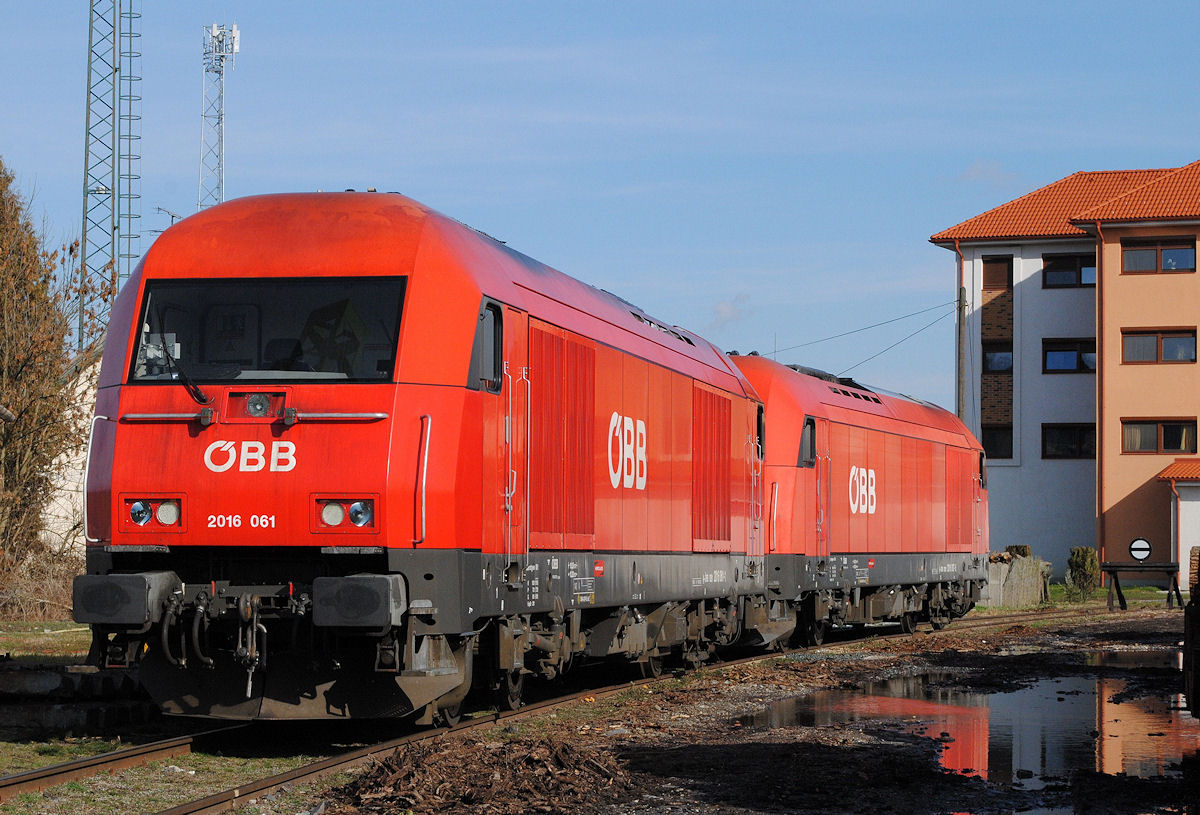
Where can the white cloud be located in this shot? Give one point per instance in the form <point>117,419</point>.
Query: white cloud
<point>988,172</point>
<point>729,311</point>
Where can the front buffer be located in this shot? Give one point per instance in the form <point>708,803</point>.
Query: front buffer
<point>339,647</point>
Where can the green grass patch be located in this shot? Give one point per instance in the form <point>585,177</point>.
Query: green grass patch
<point>62,642</point>
<point>17,755</point>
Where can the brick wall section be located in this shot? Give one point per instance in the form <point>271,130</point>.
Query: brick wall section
<point>996,390</point>
<point>996,398</point>
<point>996,321</point>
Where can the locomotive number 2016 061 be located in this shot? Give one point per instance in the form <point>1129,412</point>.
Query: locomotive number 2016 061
<point>235,521</point>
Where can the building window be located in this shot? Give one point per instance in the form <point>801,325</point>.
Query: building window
<point>1161,256</point>
<point>997,273</point>
<point>1158,346</point>
<point>1068,271</point>
<point>1068,441</point>
<point>998,441</point>
<point>1069,356</point>
<point>1158,436</point>
<point>997,358</point>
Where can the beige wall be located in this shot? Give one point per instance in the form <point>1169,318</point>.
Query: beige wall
<point>1131,502</point>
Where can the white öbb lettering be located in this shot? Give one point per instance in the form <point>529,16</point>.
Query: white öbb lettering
<point>862,491</point>
<point>626,452</point>
<point>221,455</point>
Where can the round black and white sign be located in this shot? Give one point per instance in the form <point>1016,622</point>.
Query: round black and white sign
<point>1139,549</point>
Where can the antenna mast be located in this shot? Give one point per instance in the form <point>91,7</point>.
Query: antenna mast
<point>220,44</point>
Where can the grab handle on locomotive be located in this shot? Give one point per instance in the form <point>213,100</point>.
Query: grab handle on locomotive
<point>426,434</point>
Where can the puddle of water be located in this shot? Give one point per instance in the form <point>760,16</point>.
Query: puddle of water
<point>1033,737</point>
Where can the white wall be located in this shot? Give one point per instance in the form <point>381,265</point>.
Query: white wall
<point>1049,504</point>
<point>64,514</point>
<point>1189,529</point>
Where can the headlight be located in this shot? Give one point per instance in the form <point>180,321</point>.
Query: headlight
<point>258,405</point>
<point>361,513</point>
<point>140,512</point>
<point>332,514</point>
<point>167,513</point>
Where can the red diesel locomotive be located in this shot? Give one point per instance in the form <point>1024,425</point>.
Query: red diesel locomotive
<point>351,457</point>
<point>876,504</point>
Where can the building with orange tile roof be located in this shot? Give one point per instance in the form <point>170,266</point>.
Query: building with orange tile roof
<point>1076,356</point>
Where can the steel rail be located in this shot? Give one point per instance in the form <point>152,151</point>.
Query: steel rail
<point>228,799</point>
<point>43,777</point>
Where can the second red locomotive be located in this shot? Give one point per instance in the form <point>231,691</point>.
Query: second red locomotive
<point>351,458</point>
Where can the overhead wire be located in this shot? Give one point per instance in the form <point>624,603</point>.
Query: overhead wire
<point>897,342</point>
<point>864,328</point>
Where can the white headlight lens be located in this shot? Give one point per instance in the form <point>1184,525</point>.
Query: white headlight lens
<point>332,513</point>
<point>140,512</point>
<point>361,513</point>
<point>168,513</point>
<point>258,405</point>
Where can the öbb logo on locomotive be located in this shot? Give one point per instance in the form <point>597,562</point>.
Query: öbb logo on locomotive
<point>626,452</point>
<point>862,491</point>
<point>252,458</point>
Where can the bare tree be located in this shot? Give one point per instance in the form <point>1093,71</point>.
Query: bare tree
<point>40,388</point>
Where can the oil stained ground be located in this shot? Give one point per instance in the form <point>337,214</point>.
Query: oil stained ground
<point>1032,738</point>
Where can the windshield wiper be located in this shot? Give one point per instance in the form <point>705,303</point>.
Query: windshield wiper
<point>191,387</point>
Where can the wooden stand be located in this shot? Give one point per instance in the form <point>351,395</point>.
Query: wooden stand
<point>1170,569</point>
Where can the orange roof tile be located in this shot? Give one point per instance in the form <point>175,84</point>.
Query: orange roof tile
<point>1182,469</point>
<point>1170,196</point>
<point>1047,212</point>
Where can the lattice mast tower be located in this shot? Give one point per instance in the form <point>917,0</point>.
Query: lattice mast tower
<point>220,45</point>
<point>109,243</point>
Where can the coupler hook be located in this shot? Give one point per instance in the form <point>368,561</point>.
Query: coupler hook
<point>251,652</point>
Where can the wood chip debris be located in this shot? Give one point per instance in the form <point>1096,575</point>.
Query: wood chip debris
<point>478,775</point>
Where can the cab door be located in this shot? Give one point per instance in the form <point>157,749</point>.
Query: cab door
<point>516,390</point>
<point>488,364</point>
<point>823,478</point>
<point>754,466</point>
<point>498,371</point>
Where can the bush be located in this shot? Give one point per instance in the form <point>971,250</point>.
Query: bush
<point>1019,550</point>
<point>1083,573</point>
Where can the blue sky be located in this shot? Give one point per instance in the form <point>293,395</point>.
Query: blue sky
<point>766,174</point>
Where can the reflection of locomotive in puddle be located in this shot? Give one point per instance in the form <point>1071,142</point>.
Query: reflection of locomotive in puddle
<point>1035,736</point>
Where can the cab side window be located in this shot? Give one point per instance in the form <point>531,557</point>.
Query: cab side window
<point>487,366</point>
<point>762,433</point>
<point>808,444</point>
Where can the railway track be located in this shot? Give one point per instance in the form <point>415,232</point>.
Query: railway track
<point>44,777</point>
<point>228,799</point>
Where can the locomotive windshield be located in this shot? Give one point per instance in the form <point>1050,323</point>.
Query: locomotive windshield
<point>270,329</point>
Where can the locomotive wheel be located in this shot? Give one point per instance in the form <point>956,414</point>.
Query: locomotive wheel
<point>509,690</point>
<point>814,632</point>
<point>939,622</point>
<point>451,714</point>
<point>908,622</point>
<point>652,666</point>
